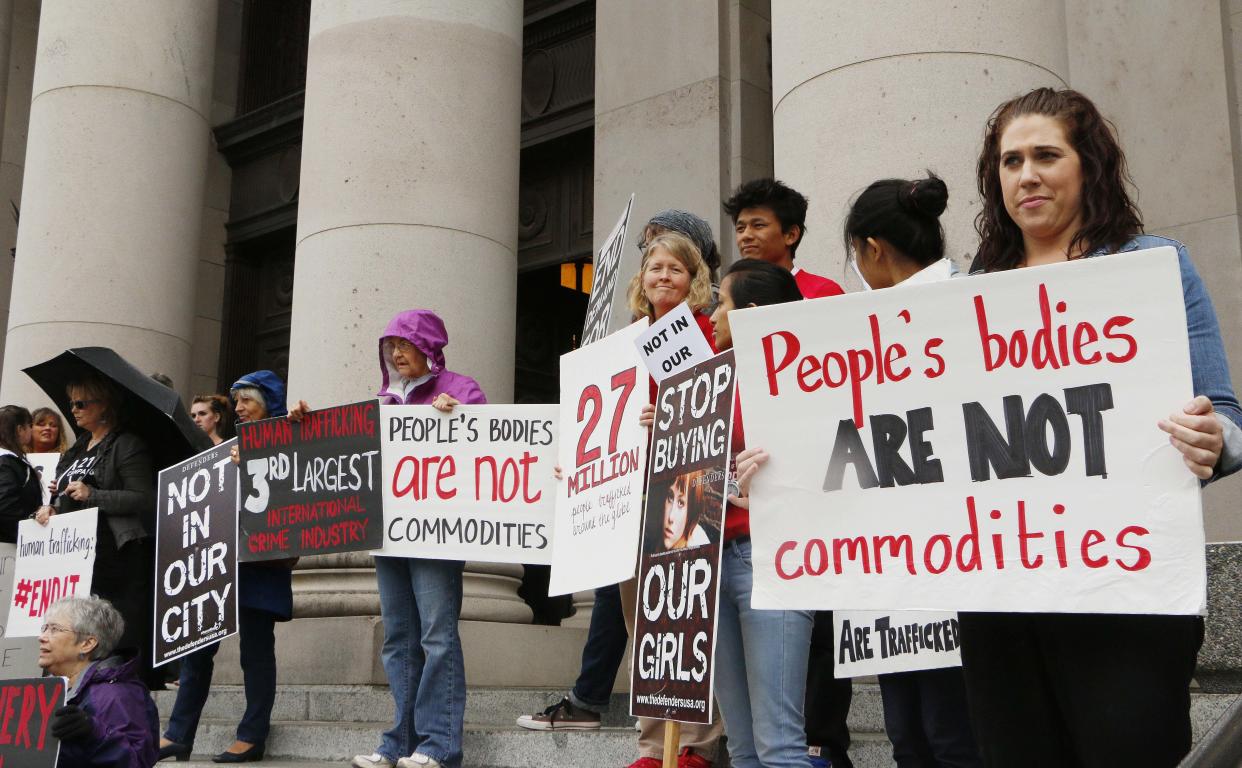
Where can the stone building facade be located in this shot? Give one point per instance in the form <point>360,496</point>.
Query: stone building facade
<point>214,186</point>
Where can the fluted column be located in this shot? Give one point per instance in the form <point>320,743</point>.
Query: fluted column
<point>408,200</point>
<point>113,194</point>
<point>865,91</point>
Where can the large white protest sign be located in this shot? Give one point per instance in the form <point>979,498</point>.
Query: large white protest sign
<point>604,286</point>
<point>673,343</point>
<point>983,444</point>
<point>19,656</point>
<point>53,561</point>
<point>474,484</point>
<point>45,466</point>
<point>603,457</point>
<point>196,553</point>
<point>880,642</point>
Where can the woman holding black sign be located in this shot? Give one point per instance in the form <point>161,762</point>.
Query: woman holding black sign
<point>265,596</point>
<point>1088,689</point>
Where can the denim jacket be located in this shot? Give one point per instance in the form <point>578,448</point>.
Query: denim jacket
<point>1209,368</point>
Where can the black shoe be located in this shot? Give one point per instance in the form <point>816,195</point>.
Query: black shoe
<point>252,755</point>
<point>180,751</point>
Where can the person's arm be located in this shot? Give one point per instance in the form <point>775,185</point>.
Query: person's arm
<point>11,510</point>
<point>114,730</point>
<point>135,496</point>
<point>1199,431</point>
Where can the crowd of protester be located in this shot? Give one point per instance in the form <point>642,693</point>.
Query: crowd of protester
<point>1053,185</point>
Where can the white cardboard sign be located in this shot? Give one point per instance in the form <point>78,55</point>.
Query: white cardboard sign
<point>673,343</point>
<point>603,458</point>
<point>605,282</point>
<point>53,561</point>
<point>474,484</point>
<point>45,465</point>
<point>880,642</point>
<point>981,444</point>
<point>19,656</point>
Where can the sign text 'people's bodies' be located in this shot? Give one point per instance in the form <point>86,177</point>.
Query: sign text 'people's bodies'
<point>987,443</point>
<point>474,484</point>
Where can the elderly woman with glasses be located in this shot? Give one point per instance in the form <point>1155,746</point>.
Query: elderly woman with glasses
<point>108,718</point>
<point>110,468</point>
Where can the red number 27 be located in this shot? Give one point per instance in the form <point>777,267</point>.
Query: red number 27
<point>623,381</point>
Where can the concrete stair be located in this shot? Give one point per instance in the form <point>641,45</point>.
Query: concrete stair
<point>322,725</point>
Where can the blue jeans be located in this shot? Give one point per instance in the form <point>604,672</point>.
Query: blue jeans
<point>605,647</point>
<point>927,721</point>
<point>258,663</point>
<point>761,659</point>
<point>421,603</point>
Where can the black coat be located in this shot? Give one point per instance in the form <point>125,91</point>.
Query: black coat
<point>124,485</point>
<point>20,494</point>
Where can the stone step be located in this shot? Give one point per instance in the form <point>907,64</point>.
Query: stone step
<point>309,744</point>
<point>484,706</point>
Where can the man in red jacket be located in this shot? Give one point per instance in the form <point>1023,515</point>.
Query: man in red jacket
<point>769,220</point>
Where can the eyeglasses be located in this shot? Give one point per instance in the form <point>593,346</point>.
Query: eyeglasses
<point>80,405</point>
<point>51,629</point>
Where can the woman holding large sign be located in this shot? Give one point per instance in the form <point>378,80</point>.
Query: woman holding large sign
<point>1088,689</point>
<point>672,271</point>
<point>420,599</point>
<point>265,595</point>
<point>761,655</point>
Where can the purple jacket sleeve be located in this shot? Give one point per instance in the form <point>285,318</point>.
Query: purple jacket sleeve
<point>124,736</point>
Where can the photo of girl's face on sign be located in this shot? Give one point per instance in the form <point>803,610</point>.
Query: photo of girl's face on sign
<point>684,512</point>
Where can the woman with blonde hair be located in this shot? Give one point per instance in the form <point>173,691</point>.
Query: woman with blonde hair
<point>49,434</point>
<point>672,271</point>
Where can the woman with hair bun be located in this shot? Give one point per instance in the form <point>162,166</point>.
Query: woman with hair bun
<point>894,234</point>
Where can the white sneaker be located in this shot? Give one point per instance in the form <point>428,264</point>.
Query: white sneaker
<point>418,760</point>
<point>373,760</point>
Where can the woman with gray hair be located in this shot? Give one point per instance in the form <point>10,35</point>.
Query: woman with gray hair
<point>109,718</point>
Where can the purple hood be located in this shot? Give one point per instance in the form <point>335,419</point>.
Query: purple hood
<point>425,330</point>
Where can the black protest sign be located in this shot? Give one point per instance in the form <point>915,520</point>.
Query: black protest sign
<point>26,708</point>
<point>196,554</point>
<point>678,574</point>
<point>311,487</point>
<point>604,281</point>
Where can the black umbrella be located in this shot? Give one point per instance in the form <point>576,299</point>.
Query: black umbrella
<point>152,411</point>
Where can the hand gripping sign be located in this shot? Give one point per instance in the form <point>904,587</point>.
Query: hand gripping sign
<point>603,458</point>
<point>980,444</point>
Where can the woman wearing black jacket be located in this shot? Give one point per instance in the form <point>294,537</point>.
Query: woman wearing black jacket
<point>111,469</point>
<point>20,494</point>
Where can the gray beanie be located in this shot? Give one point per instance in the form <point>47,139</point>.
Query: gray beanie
<point>698,230</point>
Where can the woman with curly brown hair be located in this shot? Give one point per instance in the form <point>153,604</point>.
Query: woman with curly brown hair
<point>1088,689</point>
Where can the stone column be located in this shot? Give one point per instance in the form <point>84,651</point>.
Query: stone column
<point>19,30</point>
<point>864,91</point>
<point>681,94</point>
<point>112,205</point>
<point>408,199</point>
